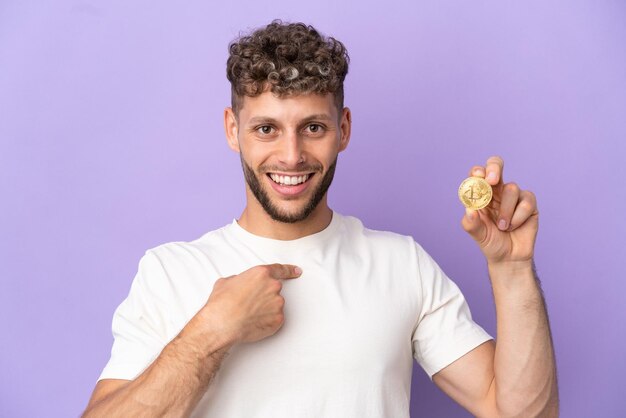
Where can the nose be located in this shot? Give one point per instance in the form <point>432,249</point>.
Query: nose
<point>291,149</point>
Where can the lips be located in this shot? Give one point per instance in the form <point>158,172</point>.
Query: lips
<point>290,185</point>
<point>289,180</point>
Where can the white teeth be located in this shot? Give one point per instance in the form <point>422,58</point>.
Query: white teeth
<point>289,180</point>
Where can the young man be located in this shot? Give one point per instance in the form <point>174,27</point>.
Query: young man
<point>304,312</point>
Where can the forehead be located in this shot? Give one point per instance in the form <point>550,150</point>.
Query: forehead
<point>287,108</point>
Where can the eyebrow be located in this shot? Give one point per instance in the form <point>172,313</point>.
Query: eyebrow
<point>267,119</point>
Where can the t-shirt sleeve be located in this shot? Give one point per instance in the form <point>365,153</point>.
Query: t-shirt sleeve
<point>445,330</point>
<point>138,326</point>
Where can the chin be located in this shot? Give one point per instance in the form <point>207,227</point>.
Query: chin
<point>289,215</point>
<point>283,208</point>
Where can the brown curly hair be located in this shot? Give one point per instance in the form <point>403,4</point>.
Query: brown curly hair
<point>286,58</point>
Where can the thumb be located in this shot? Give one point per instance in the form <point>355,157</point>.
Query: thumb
<point>473,225</point>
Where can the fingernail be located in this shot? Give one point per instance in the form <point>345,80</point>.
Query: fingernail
<point>297,270</point>
<point>502,224</point>
<point>469,213</point>
<point>491,176</point>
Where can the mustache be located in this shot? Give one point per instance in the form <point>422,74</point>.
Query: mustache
<point>305,169</point>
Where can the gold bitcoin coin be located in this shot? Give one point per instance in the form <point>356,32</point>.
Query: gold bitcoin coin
<point>475,193</point>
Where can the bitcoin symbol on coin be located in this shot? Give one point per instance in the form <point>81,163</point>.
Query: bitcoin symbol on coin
<point>475,193</point>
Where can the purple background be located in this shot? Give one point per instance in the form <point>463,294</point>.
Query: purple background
<point>112,143</point>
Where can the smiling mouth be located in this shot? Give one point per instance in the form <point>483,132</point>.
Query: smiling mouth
<point>289,180</point>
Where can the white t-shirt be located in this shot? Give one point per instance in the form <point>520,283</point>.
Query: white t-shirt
<point>366,304</point>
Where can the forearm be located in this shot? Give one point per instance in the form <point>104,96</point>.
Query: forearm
<point>175,382</point>
<point>525,368</point>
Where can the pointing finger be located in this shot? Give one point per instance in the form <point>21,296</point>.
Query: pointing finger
<point>495,170</point>
<point>284,271</point>
<point>477,171</point>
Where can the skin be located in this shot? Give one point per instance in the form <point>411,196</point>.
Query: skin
<point>517,375</point>
<point>305,133</point>
<point>288,147</point>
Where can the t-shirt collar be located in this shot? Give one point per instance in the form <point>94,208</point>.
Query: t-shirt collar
<point>296,244</point>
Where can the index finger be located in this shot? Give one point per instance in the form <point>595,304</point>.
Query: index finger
<point>284,271</point>
<point>494,170</point>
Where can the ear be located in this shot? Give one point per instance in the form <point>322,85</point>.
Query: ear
<point>231,129</point>
<point>345,128</point>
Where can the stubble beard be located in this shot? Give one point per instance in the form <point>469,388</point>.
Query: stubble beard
<point>273,210</point>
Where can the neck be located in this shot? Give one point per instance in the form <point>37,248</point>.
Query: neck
<point>255,220</point>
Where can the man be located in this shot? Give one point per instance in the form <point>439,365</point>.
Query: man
<point>304,312</point>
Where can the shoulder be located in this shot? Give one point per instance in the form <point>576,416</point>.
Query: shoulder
<point>399,247</point>
<point>379,240</point>
<point>185,251</point>
<point>354,226</point>
<point>173,263</point>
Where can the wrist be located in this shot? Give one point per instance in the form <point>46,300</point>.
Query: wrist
<point>512,276</point>
<point>512,268</point>
<point>207,333</point>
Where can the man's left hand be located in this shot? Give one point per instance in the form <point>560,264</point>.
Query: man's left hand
<point>506,229</point>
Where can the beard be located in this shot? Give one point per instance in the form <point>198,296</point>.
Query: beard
<point>275,212</point>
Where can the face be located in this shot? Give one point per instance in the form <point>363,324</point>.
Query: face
<point>288,149</point>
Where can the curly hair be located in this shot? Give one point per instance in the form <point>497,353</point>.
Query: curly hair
<point>286,59</point>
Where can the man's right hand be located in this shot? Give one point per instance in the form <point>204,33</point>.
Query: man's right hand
<point>249,306</point>
<point>243,308</point>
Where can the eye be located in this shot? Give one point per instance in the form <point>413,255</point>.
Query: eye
<point>265,129</point>
<point>315,128</point>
